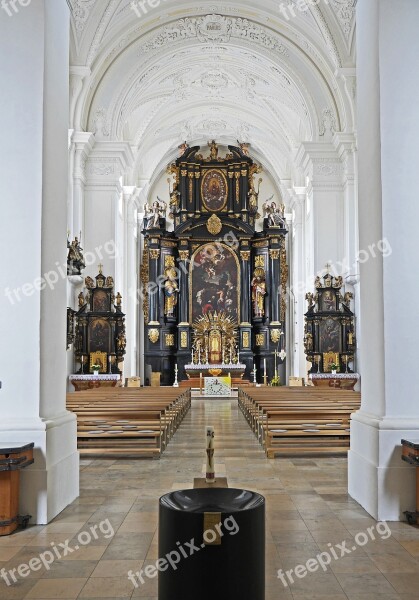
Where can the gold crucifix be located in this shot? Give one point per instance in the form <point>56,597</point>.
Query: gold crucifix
<point>100,268</point>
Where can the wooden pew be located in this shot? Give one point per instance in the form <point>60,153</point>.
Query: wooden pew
<point>300,420</point>
<point>127,421</point>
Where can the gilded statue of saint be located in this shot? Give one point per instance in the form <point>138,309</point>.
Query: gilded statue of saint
<point>259,292</point>
<point>170,292</point>
<point>213,150</point>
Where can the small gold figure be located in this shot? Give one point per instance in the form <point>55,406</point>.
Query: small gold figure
<point>213,150</point>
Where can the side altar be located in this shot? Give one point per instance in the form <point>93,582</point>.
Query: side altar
<point>329,340</point>
<point>214,287</point>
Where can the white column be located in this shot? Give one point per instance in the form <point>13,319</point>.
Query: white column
<point>33,188</point>
<point>388,126</point>
<point>103,207</point>
<point>298,280</point>
<point>323,169</point>
<point>131,279</point>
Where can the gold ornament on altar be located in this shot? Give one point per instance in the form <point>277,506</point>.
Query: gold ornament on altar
<point>275,335</point>
<point>259,292</point>
<point>170,291</point>
<point>214,225</point>
<point>215,337</point>
<point>153,335</point>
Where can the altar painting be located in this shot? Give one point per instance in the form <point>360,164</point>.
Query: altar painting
<point>330,336</point>
<point>214,281</point>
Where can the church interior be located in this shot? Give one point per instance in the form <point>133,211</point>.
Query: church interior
<point>209,214</point>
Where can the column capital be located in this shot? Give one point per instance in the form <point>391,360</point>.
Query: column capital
<point>321,164</point>
<point>108,162</point>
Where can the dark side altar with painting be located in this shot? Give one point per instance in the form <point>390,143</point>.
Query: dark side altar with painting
<point>329,339</point>
<point>214,288</point>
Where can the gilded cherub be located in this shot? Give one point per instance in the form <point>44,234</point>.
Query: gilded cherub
<point>347,298</point>
<point>311,299</point>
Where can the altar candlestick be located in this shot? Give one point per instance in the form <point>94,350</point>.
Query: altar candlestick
<point>210,471</point>
<point>254,374</point>
<point>265,377</point>
<point>176,384</point>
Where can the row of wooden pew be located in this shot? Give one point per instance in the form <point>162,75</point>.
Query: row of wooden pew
<point>128,421</point>
<point>306,420</point>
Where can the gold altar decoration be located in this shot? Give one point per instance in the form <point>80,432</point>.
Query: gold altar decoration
<point>183,254</point>
<point>214,225</point>
<point>144,278</point>
<point>260,339</point>
<point>154,335</point>
<point>275,335</point>
<point>155,253</point>
<point>330,358</point>
<point>99,358</point>
<point>169,261</point>
<point>184,339</point>
<point>260,261</point>
<point>215,337</point>
<point>169,339</point>
<point>284,278</point>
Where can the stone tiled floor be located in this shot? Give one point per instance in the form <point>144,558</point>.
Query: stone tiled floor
<point>308,509</point>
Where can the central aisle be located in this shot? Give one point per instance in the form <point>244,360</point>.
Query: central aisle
<point>307,508</point>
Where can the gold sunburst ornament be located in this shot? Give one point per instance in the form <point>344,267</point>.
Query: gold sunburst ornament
<point>214,225</point>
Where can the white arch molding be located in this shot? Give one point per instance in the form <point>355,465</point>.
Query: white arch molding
<point>228,72</point>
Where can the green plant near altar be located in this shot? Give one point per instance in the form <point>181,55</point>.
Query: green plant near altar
<point>276,381</point>
<point>96,367</point>
<point>334,367</point>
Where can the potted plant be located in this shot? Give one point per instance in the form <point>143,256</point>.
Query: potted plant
<point>334,367</point>
<point>96,368</point>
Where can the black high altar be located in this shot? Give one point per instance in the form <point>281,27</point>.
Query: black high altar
<point>214,268</point>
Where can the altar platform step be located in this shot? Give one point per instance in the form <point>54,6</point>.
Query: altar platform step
<point>194,382</point>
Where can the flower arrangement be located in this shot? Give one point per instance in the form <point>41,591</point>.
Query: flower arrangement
<point>334,367</point>
<point>96,367</point>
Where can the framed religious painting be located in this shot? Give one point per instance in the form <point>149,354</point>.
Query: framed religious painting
<point>215,281</point>
<point>99,335</point>
<point>101,301</point>
<point>330,335</point>
<point>214,190</point>
<point>327,301</point>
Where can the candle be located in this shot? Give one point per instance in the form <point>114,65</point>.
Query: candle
<point>210,471</point>
<point>264,365</point>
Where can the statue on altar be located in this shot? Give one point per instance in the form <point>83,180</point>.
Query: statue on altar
<point>259,292</point>
<point>75,259</point>
<point>154,213</point>
<point>170,291</point>
<point>213,150</point>
<point>274,215</point>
